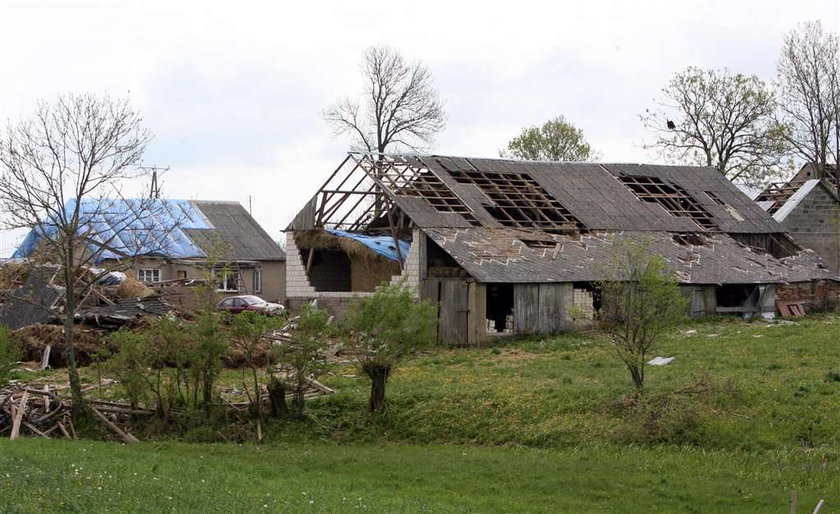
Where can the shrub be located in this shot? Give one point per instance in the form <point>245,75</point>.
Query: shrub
<point>9,355</point>
<point>383,328</point>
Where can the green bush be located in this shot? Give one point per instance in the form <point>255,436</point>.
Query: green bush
<point>9,355</point>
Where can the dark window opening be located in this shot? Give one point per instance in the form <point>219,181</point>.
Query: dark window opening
<point>715,198</point>
<point>671,197</point>
<point>329,270</point>
<point>689,239</point>
<point>735,295</point>
<point>586,300</point>
<point>440,263</point>
<point>500,308</point>
<point>778,246</point>
<point>539,245</point>
<point>519,201</point>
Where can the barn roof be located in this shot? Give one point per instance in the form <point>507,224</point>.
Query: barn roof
<point>488,213</point>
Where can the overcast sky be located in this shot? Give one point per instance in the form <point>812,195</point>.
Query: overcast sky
<point>233,91</point>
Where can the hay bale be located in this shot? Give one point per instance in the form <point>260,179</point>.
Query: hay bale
<point>13,274</point>
<point>133,288</point>
<point>33,340</point>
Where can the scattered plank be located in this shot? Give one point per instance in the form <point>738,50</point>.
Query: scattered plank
<point>19,416</point>
<point>125,436</point>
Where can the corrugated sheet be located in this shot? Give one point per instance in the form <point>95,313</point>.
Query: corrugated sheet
<point>34,302</point>
<point>501,255</point>
<point>241,232</point>
<point>594,195</point>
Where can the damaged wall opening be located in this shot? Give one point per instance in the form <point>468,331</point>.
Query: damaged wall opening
<point>586,301</point>
<point>519,201</point>
<point>735,295</point>
<point>671,197</point>
<point>499,308</point>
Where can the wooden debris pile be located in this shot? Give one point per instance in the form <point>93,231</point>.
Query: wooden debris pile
<point>44,411</point>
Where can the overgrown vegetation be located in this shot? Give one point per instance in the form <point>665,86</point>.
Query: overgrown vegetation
<point>9,354</point>
<point>641,299</point>
<point>382,329</point>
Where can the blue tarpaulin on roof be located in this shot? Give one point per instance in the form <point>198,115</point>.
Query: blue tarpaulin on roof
<point>133,227</point>
<point>383,245</point>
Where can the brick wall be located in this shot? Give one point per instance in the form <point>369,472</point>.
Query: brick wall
<point>819,295</point>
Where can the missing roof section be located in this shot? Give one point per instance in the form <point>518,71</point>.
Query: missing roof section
<point>689,239</point>
<point>521,202</point>
<point>538,244</point>
<point>671,197</point>
<point>404,179</point>
<point>715,198</point>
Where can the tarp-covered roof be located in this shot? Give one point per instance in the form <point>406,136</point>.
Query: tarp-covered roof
<point>383,245</point>
<point>178,229</point>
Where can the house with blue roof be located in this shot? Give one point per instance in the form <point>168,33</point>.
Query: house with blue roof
<point>174,239</point>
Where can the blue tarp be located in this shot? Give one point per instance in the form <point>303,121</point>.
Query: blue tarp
<point>131,227</point>
<point>383,245</point>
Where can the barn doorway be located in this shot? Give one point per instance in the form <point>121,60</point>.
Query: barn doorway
<point>499,299</point>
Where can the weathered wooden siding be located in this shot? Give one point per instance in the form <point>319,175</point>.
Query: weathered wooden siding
<point>542,308</point>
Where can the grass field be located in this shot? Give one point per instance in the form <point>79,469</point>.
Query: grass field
<point>57,476</point>
<point>746,412</point>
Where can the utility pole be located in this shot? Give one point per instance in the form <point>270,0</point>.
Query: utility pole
<point>154,190</point>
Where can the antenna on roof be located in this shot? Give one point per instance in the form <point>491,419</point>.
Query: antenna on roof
<point>154,190</point>
<point>250,210</point>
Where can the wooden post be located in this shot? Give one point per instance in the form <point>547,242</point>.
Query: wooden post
<point>793,502</point>
<point>19,415</point>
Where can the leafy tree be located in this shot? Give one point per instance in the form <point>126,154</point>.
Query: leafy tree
<point>556,140</point>
<point>79,148</point>
<point>809,93</point>
<point>206,360</point>
<point>641,298</point>
<point>247,331</point>
<point>398,107</point>
<point>304,354</point>
<point>715,118</point>
<point>382,328</point>
<point>9,355</point>
<point>131,364</point>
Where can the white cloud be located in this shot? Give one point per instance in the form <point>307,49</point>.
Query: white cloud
<point>234,90</point>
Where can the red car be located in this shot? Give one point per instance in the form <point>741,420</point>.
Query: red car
<point>237,304</point>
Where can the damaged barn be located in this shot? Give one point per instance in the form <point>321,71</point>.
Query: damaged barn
<point>514,247</point>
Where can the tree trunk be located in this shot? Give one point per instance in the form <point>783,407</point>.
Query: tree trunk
<point>277,399</point>
<point>638,375</point>
<point>378,375</point>
<point>77,399</point>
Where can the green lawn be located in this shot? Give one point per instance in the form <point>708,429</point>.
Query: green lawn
<point>765,387</point>
<point>60,476</point>
<point>746,413</point>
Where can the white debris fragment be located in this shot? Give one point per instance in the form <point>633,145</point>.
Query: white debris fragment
<point>660,361</point>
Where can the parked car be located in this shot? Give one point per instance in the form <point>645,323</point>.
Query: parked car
<point>237,304</point>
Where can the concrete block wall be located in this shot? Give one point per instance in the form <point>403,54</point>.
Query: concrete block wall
<point>815,224</point>
<point>297,283</point>
<point>413,262</point>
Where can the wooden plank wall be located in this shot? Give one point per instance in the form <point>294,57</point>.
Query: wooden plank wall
<point>542,308</point>
<point>453,297</point>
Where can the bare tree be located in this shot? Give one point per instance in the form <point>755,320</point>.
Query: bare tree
<point>809,93</point>
<point>714,118</point>
<point>399,106</point>
<point>61,174</point>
